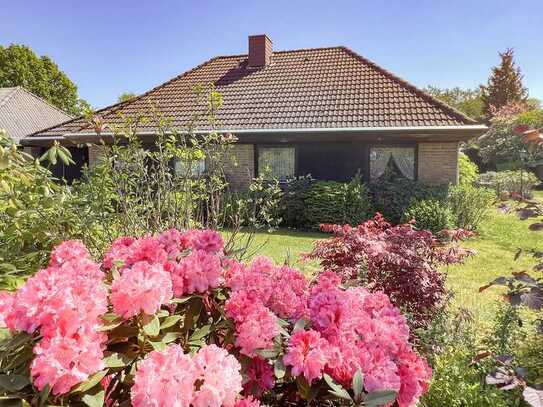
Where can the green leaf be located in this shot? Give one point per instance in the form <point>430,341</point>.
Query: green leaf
<point>13,382</point>
<point>279,368</point>
<point>170,321</point>
<point>10,402</point>
<point>151,325</point>
<point>116,360</point>
<point>337,390</point>
<point>159,346</point>
<point>267,353</point>
<point>94,400</point>
<point>300,324</point>
<point>44,395</point>
<point>90,383</point>
<point>200,333</point>
<point>358,384</point>
<point>379,398</point>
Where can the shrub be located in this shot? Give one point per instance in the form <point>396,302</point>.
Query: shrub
<point>398,260</point>
<point>468,170</point>
<point>429,215</point>
<point>470,205</point>
<point>336,202</point>
<point>512,182</point>
<point>391,197</point>
<point>293,201</point>
<point>173,312</point>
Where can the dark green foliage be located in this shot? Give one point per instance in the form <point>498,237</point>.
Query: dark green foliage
<point>293,201</point>
<point>468,101</point>
<point>20,66</point>
<point>504,85</point>
<point>330,202</point>
<point>391,197</point>
<point>430,215</point>
<point>469,205</point>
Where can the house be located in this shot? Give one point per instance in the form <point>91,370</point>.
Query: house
<point>328,112</point>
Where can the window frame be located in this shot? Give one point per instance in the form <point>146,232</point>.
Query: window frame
<point>258,147</point>
<point>406,144</point>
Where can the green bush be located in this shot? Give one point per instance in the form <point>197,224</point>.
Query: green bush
<point>468,170</point>
<point>336,203</point>
<point>430,215</point>
<point>391,197</point>
<point>519,182</point>
<point>293,201</point>
<point>457,382</point>
<point>469,205</point>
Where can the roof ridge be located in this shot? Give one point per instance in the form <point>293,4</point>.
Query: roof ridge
<point>43,100</point>
<point>9,95</point>
<point>116,106</point>
<point>284,51</point>
<point>415,89</point>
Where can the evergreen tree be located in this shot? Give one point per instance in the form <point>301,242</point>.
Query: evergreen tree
<point>504,85</point>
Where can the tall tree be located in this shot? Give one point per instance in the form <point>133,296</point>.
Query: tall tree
<point>504,85</point>
<point>468,101</point>
<point>20,66</point>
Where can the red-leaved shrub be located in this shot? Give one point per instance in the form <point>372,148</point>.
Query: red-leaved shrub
<point>399,260</point>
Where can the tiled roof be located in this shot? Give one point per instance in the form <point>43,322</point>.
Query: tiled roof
<point>309,88</point>
<point>23,113</point>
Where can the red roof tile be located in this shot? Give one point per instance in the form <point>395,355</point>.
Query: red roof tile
<point>308,88</point>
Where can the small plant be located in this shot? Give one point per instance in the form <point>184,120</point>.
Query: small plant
<point>293,201</point>
<point>468,170</point>
<point>429,215</point>
<point>470,205</point>
<point>519,182</point>
<point>399,260</point>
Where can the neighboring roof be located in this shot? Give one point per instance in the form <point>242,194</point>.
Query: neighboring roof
<point>23,113</point>
<point>324,88</point>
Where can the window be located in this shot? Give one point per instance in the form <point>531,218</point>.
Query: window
<point>393,161</point>
<point>198,167</point>
<point>276,162</point>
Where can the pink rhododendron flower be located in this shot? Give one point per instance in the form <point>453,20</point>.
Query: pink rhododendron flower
<point>259,377</point>
<point>210,378</point>
<point>143,287</point>
<point>118,252</point>
<point>289,299</point>
<point>208,241</point>
<point>67,251</point>
<point>248,402</point>
<point>200,270</point>
<point>6,305</point>
<point>219,378</point>
<point>164,379</point>
<point>307,354</point>
<point>146,249</point>
<point>170,241</point>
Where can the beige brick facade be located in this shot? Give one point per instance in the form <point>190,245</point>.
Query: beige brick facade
<point>240,166</point>
<point>438,162</point>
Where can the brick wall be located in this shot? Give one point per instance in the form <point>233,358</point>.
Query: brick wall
<point>33,151</point>
<point>438,162</point>
<point>239,167</point>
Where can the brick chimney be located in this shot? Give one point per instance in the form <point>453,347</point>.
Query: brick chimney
<point>260,50</point>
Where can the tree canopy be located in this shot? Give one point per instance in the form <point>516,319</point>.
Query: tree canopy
<point>123,97</point>
<point>20,66</point>
<point>468,101</point>
<point>504,85</point>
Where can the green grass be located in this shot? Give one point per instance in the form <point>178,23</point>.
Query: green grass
<point>498,240</point>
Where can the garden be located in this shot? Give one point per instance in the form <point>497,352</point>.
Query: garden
<point>139,285</point>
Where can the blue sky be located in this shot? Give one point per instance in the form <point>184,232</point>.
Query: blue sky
<point>108,47</point>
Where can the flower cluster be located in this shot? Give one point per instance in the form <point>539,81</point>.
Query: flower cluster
<point>210,378</point>
<point>64,302</point>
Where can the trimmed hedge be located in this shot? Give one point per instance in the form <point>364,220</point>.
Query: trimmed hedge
<point>336,203</point>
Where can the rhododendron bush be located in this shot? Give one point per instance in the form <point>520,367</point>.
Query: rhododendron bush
<point>398,260</point>
<point>171,320</point>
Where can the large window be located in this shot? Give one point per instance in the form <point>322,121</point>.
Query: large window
<point>197,167</point>
<point>392,161</point>
<point>276,162</point>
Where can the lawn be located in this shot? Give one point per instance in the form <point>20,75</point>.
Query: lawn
<point>498,240</point>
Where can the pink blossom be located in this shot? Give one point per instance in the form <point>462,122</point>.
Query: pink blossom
<point>260,377</point>
<point>62,362</point>
<point>248,402</point>
<point>200,271</point>
<point>208,241</point>
<point>307,354</point>
<point>219,378</point>
<point>67,251</point>
<point>143,287</point>
<point>146,249</point>
<point>164,379</point>
<point>290,294</point>
<point>118,252</point>
<point>170,241</point>
<point>6,305</point>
